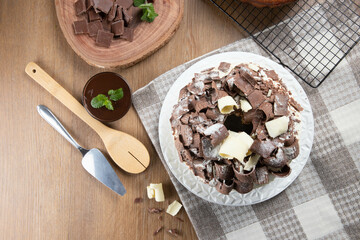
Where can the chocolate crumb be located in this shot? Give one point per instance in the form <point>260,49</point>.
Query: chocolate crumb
<point>180,219</point>
<point>155,210</point>
<point>158,230</point>
<point>174,232</point>
<point>138,200</point>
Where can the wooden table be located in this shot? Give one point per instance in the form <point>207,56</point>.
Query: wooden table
<point>45,193</point>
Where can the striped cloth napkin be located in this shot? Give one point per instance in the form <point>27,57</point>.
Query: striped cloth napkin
<point>323,202</point>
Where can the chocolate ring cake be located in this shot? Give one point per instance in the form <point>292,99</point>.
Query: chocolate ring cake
<point>234,126</point>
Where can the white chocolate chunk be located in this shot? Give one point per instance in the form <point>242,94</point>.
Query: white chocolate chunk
<point>277,126</point>
<point>173,208</point>
<point>155,190</point>
<point>236,145</point>
<point>226,105</point>
<point>269,93</point>
<point>252,162</point>
<point>150,192</point>
<point>245,105</point>
<point>159,193</point>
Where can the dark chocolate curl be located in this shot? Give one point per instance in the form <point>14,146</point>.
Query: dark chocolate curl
<point>292,151</point>
<point>263,148</point>
<point>186,135</point>
<point>267,108</point>
<point>262,175</point>
<point>223,171</point>
<point>245,177</point>
<point>224,186</point>
<point>283,172</point>
<point>243,187</point>
<point>277,161</point>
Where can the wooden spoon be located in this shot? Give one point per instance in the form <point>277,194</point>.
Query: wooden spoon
<point>126,151</point>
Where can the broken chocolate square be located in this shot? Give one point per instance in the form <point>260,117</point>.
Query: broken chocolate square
<point>92,15</point>
<point>119,14</point>
<point>80,7</point>
<point>125,3</point>
<point>117,28</point>
<point>112,12</point>
<point>128,34</point>
<point>94,27</point>
<point>127,15</point>
<point>104,5</point>
<point>104,38</point>
<point>81,27</point>
<point>106,25</point>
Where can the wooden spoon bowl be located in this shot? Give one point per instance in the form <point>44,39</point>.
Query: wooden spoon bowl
<point>148,37</point>
<point>126,151</point>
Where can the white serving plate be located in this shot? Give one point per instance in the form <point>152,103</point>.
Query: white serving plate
<point>195,184</point>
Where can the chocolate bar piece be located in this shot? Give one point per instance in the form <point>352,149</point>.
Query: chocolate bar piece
<point>103,38</point>
<point>104,5</point>
<point>81,27</point>
<point>124,3</point>
<point>128,34</point>
<point>94,27</point>
<point>93,16</point>
<point>112,12</point>
<point>119,14</point>
<point>106,25</point>
<point>117,28</point>
<point>89,4</point>
<point>80,7</point>
<point>127,15</point>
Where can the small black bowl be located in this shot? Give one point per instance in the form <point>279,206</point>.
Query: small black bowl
<point>101,83</point>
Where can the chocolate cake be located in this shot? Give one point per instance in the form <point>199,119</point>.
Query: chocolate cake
<point>234,127</point>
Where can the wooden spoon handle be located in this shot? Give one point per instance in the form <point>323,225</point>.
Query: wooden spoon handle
<point>47,82</point>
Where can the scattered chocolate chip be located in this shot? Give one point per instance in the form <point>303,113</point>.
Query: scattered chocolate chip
<point>155,210</point>
<point>138,200</point>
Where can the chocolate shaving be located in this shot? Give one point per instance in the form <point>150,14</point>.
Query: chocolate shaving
<point>281,104</point>
<point>292,151</point>
<point>243,85</point>
<point>155,210</point>
<point>267,109</point>
<point>158,230</point>
<point>217,133</point>
<point>224,66</point>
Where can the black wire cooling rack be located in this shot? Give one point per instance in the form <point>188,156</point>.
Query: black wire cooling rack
<point>310,38</point>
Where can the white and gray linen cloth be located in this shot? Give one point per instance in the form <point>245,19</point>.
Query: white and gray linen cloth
<point>323,202</point>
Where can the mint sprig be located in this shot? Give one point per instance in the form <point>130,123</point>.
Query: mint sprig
<point>101,100</point>
<point>116,94</point>
<point>149,13</point>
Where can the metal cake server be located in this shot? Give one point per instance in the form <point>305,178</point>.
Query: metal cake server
<point>93,160</point>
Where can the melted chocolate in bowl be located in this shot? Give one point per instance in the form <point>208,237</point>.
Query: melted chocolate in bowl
<point>101,83</point>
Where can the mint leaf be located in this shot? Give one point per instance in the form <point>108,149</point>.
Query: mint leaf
<point>116,95</point>
<point>98,101</point>
<point>138,2</point>
<point>108,104</point>
<point>149,13</point>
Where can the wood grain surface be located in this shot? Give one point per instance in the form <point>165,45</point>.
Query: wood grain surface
<point>45,193</point>
<point>147,37</point>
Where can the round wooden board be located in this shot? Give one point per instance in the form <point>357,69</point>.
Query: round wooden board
<point>148,37</point>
